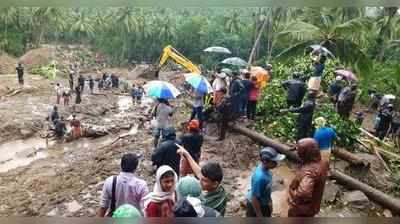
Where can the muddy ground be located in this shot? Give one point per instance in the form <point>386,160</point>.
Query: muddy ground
<point>40,177</point>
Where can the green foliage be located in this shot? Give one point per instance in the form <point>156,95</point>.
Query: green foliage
<point>385,79</point>
<point>48,71</point>
<point>283,126</point>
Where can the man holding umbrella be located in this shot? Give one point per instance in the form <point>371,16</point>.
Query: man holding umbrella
<point>200,86</point>
<point>163,111</point>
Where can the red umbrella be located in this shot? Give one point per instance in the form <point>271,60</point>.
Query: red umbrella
<point>349,75</point>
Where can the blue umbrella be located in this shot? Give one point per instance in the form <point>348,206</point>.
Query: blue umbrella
<point>198,82</point>
<point>161,89</point>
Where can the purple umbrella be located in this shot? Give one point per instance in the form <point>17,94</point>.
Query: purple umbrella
<point>349,75</point>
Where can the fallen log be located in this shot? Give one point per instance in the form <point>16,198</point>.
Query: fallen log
<point>284,149</point>
<point>376,139</point>
<point>386,153</point>
<point>281,148</point>
<point>372,193</point>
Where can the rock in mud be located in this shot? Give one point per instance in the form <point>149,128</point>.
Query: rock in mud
<point>26,133</point>
<point>331,192</point>
<point>356,199</point>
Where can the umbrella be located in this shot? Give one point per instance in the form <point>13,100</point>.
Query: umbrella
<point>216,49</point>
<point>161,89</point>
<point>198,82</point>
<point>346,74</point>
<point>261,74</point>
<point>235,61</point>
<point>227,71</point>
<point>324,50</point>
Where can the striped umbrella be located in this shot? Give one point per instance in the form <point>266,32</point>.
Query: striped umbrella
<point>198,82</point>
<point>161,89</point>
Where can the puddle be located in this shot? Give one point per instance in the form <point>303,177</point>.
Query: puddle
<point>21,153</point>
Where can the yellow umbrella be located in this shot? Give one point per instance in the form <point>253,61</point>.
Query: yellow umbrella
<point>261,74</point>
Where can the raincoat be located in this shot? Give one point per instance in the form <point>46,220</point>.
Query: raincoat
<point>306,189</point>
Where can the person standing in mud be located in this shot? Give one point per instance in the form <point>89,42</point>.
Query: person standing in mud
<point>54,115</point>
<point>91,84</point>
<point>59,92</point>
<point>66,96</point>
<point>296,89</point>
<point>307,187</point>
<point>78,95</point>
<point>60,129</point>
<point>225,114</point>
<point>125,188</point>
<point>20,73</point>
<point>76,127</point>
<point>165,153</point>
<point>81,81</point>
<point>259,201</point>
<point>71,78</point>
<point>304,121</point>
<point>192,141</point>
<point>162,113</point>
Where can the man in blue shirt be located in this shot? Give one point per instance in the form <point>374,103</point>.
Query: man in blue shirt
<point>324,137</point>
<point>259,202</point>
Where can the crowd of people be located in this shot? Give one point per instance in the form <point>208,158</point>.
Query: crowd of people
<point>183,188</point>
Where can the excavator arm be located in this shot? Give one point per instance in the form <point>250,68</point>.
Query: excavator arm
<point>170,52</point>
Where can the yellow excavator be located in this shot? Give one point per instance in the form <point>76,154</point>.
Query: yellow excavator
<point>170,52</point>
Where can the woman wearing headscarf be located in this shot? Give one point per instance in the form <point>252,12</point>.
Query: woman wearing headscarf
<point>160,202</point>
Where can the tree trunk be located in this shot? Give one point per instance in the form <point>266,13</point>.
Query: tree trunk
<point>372,193</point>
<point>284,149</point>
<point>256,42</point>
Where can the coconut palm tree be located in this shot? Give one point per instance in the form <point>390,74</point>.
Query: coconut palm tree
<point>8,16</point>
<point>343,39</point>
<point>232,22</point>
<point>82,26</point>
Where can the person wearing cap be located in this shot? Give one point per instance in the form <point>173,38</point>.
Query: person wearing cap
<point>306,112</point>
<point>324,136</point>
<point>218,84</point>
<point>192,207</point>
<point>346,100</point>
<point>165,153</point>
<point>125,188</point>
<point>296,90</point>
<point>259,202</point>
<point>192,141</point>
<point>307,187</point>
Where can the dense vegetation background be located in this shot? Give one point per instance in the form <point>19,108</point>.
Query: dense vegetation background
<point>366,40</point>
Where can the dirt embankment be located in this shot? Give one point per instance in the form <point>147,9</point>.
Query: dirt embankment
<point>7,64</point>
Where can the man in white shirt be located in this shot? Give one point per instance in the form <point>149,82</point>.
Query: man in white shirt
<point>218,84</point>
<point>59,91</point>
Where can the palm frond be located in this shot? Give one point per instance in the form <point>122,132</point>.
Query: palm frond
<point>301,31</point>
<point>295,49</point>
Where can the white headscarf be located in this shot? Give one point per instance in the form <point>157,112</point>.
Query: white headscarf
<point>158,195</point>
